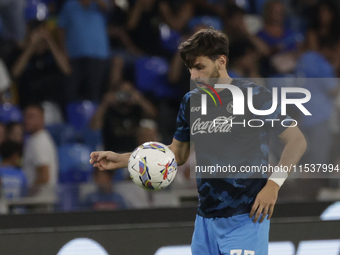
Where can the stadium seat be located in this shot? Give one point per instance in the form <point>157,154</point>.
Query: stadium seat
<point>79,113</point>
<point>93,139</point>
<point>150,73</point>
<point>62,133</point>
<point>151,78</point>
<point>74,166</point>
<point>170,38</point>
<point>312,64</point>
<point>210,21</point>
<point>9,113</point>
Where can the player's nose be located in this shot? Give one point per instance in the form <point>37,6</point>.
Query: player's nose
<point>194,75</point>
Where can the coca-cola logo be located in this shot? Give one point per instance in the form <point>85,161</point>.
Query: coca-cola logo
<point>221,124</point>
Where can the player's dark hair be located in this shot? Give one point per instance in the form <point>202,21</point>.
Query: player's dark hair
<point>209,43</point>
<point>9,148</point>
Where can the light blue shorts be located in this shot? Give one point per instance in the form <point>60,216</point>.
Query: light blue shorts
<point>236,235</point>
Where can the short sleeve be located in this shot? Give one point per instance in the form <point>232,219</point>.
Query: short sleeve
<point>42,152</point>
<point>182,133</point>
<point>263,100</point>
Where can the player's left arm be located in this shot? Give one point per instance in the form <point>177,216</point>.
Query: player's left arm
<point>295,146</point>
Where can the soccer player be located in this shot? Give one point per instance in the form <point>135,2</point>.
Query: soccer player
<point>231,213</point>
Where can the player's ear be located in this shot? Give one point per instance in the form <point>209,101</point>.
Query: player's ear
<point>222,62</point>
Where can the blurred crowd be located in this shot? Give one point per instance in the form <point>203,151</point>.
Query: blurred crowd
<point>83,75</point>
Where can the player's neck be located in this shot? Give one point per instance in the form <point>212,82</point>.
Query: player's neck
<point>224,79</point>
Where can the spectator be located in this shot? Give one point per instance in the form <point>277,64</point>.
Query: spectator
<point>123,49</point>
<point>274,33</point>
<point>144,20</point>
<point>40,66</point>
<point>104,198</point>
<point>236,29</point>
<point>176,13</point>
<point>282,42</point>
<point>13,180</point>
<point>84,37</point>
<point>243,59</point>
<point>13,26</point>
<point>142,23</point>
<point>119,116</point>
<point>15,132</point>
<point>40,162</point>
<point>324,33</point>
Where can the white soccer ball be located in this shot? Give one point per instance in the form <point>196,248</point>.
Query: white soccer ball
<point>152,166</point>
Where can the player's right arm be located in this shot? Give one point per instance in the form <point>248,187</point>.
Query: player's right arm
<point>109,160</point>
<point>181,151</point>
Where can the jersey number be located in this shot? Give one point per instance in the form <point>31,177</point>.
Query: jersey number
<point>239,252</point>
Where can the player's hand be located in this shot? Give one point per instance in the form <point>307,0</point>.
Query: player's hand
<point>108,160</point>
<point>265,202</point>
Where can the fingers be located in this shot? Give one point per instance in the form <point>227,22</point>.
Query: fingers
<point>264,214</point>
<point>259,209</point>
<point>99,166</point>
<point>253,209</point>
<point>258,213</point>
<point>95,156</point>
<point>271,211</point>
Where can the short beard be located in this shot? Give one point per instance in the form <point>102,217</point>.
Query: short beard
<point>215,74</point>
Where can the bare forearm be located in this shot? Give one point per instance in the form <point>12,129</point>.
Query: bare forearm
<point>181,151</point>
<point>293,152</point>
<point>134,16</point>
<point>121,34</point>
<point>60,58</point>
<point>42,175</point>
<point>175,70</point>
<point>260,45</point>
<point>148,109</point>
<point>22,62</point>
<point>126,157</point>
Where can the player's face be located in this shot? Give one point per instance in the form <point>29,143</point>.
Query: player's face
<point>204,68</point>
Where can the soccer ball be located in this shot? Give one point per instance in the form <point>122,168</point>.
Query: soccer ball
<point>152,166</point>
